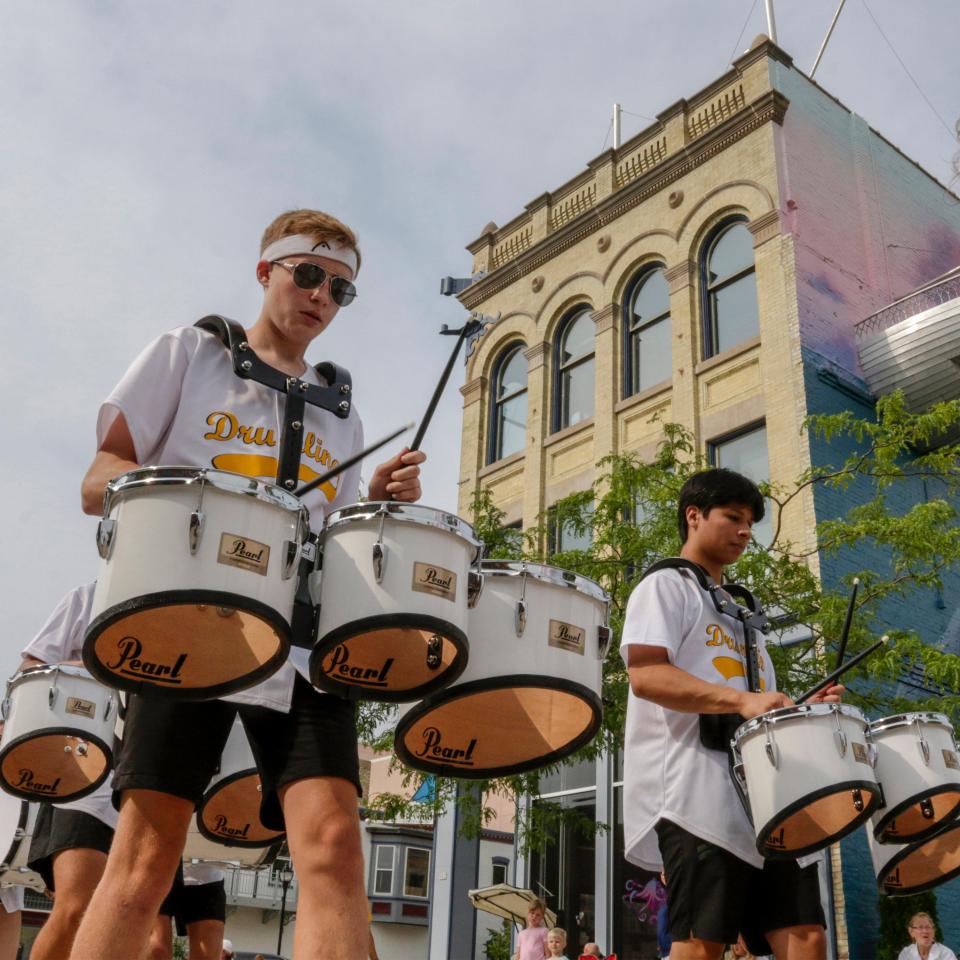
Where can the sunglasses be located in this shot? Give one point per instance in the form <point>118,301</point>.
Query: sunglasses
<point>310,276</point>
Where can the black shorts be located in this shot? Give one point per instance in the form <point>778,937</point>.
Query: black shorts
<point>57,830</point>
<point>175,746</point>
<point>714,895</point>
<point>189,903</point>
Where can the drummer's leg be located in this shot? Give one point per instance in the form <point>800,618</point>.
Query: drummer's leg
<point>9,933</point>
<point>160,945</point>
<point>75,876</point>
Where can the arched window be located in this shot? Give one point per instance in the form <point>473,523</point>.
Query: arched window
<point>647,353</point>
<point>508,428</point>
<point>574,381</point>
<point>729,289</point>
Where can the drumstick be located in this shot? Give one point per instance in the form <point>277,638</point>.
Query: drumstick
<point>849,665</point>
<point>845,635</point>
<point>350,461</point>
<point>470,327</point>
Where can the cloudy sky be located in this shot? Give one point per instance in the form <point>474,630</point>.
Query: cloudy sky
<point>143,148</point>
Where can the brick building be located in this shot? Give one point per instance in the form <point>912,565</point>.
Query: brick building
<point>711,271</point>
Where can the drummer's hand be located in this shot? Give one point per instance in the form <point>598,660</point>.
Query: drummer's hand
<point>831,694</point>
<point>398,478</point>
<point>753,704</point>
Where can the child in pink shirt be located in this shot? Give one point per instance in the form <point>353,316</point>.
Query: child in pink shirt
<point>532,942</point>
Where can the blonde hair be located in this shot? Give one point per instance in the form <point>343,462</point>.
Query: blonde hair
<point>561,933</point>
<point>312,223</point>
<point>922,915</point>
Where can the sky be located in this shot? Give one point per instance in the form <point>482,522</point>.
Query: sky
<point>144,147</point>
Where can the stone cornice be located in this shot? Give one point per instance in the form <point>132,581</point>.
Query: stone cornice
<point>604,317</point>
<point>765,227</point>
<point>473,389</point>
<point>680,275</point>
<point>771,106</point>
<point>536,355</point>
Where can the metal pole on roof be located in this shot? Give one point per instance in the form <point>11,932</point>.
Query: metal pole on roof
<point>826,39</point>
<point>771,23</point>
<point>616,126</point>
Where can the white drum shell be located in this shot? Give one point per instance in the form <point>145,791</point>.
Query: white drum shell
<point>28,712</point>
<point>903,869</point>
<point>907,772</point>
<point>347,588</point>
<point>150,549</point>
<point>809,763</point>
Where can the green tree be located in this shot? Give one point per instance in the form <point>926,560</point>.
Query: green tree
<point>497,944</point>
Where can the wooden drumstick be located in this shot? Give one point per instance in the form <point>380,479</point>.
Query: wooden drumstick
<point>849,665</point>
<point>350,461</point>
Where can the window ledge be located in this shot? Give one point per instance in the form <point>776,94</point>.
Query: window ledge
<point>502,464</point>
<point>582,427</point>
<point>718,359</point>
<point>664,386</point>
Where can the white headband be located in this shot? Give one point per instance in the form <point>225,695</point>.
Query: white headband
<point>299,244</point>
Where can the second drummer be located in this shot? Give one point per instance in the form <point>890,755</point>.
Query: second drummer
<point>165,410</point>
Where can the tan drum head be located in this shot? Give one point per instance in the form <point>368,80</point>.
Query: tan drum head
<point>191,645</point>
<point>230,813</point>
<point>390,658</point>
<point>492,728</point>
<point>54,765</point>
<point>819,819</point>
<point>921,866</point>
<point>920,818</point>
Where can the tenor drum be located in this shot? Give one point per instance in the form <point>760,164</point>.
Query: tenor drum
<point>57,742</point>
<point>195,592</point>
<point>393,599</point>
<point>902,869</point>
<point>229,812</point>
<point>808,775</point>
<point>919,769</point>
<point>531,692</point>
<point>199,847</point>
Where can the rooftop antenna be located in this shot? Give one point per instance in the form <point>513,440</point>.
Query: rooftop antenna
<point>616,126</point>
<point>826,39</point>
<point>771,23</point>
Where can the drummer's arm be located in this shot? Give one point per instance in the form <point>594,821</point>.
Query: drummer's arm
<point>654,678</point>
<point>398,478</point>
<point>115,457</point>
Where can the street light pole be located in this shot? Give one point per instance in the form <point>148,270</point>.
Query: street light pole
<point>286,877</point>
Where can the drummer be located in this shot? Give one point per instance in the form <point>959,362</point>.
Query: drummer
<point>197,906</point>
<point>178,404</point>
<point>681,811</point>
<point>70,840</point>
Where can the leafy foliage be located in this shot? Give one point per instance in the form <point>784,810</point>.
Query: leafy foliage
<point>497,945</point>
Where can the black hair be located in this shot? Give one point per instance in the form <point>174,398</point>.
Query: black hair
<point>717,488</point>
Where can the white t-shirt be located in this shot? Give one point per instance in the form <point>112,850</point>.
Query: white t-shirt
<point>668,773</point>
<point>185,406</point>
<point>937,952</point>
<point>61,639</point>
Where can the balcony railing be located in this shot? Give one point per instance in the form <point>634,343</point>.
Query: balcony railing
<point>262,887</point>
<point>941,291</point>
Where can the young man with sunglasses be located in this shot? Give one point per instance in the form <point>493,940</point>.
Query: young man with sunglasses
<point>181,403</point>
<point>681,810</point>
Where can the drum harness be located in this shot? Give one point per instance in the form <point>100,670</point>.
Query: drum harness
<point>717,729</point>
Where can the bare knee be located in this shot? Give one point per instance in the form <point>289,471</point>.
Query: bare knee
<point>332,846</point>
<point>695,950</point>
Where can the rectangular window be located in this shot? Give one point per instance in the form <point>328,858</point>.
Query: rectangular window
<point>746,453</point>
<point>383,869</point>
<point>563,537</point>
<point>416,872</point>
<point>499,872</point>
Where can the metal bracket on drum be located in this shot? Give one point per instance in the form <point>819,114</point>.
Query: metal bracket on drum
<point>922,744</point>
<point>770,747</point>
<point>434,652</point>
<point>5,708</point>
<point>520,616</point>
<point>474,588</point>
<point>106,530</point>
<point>603,641</point>
<point>379,550</point>
<point>839,737</point>
<point>197,520</point>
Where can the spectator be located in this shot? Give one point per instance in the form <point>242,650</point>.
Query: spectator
<point>226,951</point>
<point>592,950</point>
<point>557,944</point>
<point>923,932</point>
<point>532,942</point>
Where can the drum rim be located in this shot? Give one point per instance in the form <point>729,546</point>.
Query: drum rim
<point>417,621</point>
<point>902,854</point>
<point>866,786</point>
<point>799,710</point>
<point>102,745</point>
<point>68,669</point>
<point>526,681</point>
<point>934,828</point>
<point>557,576</point>
<point>168,598</point>
<point>271,854</point>
<point>906,719</point>
<point>183,475</point>
<point>208,797</point>
<point>404,513</point>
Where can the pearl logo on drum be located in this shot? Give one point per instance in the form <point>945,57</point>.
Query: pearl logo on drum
<point>338,665</point>
<point>438,581</point>
<point>27,782</point>
<point>221,827</point>
<point>950,759</point>
<point>433,749</point>
<point>82,708</point>
<point>131,664</point>
<point>242,552</point>
<point>566,636</point>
